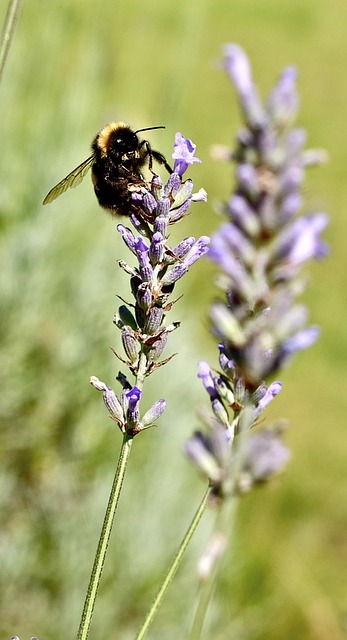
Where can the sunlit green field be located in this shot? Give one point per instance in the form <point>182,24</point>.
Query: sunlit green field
<point>74,66</point>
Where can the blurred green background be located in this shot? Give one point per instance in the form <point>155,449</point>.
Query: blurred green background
<point>74,66</point>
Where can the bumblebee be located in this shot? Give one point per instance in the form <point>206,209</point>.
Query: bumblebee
<point>117,160</point>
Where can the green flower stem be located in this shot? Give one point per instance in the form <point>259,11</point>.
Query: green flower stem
<point>223,529</point>
<point>174,566</point>
<point>8,30</point>
<point>94,581</point>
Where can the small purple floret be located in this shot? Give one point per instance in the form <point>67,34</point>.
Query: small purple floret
<point>184,150</point>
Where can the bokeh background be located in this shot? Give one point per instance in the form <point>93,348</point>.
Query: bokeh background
<point>74,66</point>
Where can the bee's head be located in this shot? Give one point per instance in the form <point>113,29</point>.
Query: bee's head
<point>117,140</point>
<point>122,141</point>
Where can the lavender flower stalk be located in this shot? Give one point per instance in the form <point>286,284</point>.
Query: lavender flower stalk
<point>259,324</point>
<point>142,325</point>
<point>144,332</point>
<point>259,251</point>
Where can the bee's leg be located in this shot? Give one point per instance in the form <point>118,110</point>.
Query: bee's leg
<point>161,160</point>
<point>158,157</point>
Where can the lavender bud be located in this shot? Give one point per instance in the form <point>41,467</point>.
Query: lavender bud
<point>149,202</point>
<point>295,141</point>
<point>173,185</point>
<point>238,68</point>
<point>221,254</point>
<point>163,207</point>
<point>302,340</point>
<point>226,325</point>
<point>183,194</point>
<point>224,390</point>
<point>238,244</point>
<point>225,362</point>
<point>265,454</point>
<point>269,394</point>
<point>156,249</point>
<point>291,179</point>
<point>130,344</point>
<point>197,449</point>
<point>157,347</point>
<point>283,101</point>
<point>110,399</point>
<point>140,225</point>
<point>174,274</point>
<point>242,214</point>
<point>300,241</point>
<point>247,178</point>
<point>178,213</point>
<point>183,247</point>
<point>156,186</point>
<point>127,236</point>
<point>144,296</point>
<point>160,225</point>
<point>206,376</point>
<point>153,414</point>
<point>290,205</point>
<point>153,321</point>
<point>220,412</point>
<point>197,251</point>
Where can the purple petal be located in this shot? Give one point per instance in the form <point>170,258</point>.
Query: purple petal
<point>302,340</point>
<point>265,454</point>
<point>206,376</point>
<point>238,68</point>
<point>183,154</point>
<point>283,102</point>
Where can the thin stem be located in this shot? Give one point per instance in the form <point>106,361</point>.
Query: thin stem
<point>222,532</point>
<point>8,30</point>
<point>174,566</point>
<point>99,560</point>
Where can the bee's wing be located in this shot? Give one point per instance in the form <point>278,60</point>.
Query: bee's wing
<point>73,179</point>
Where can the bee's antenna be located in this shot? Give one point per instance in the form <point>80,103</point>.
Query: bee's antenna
<point>150,129</point>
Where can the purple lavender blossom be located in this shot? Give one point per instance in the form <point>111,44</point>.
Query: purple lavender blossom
<point>183,154</point>
<point>133,397</point>
<point>264,456</point>
<point>199,249</point>
<point>259,251</point>
<point>144,333</point>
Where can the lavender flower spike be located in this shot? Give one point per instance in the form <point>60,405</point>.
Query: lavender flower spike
<point>144,333</point>
<point>259,252</point>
